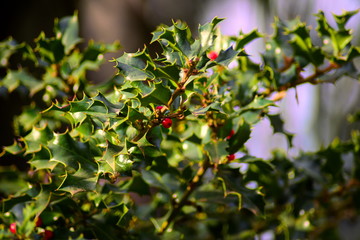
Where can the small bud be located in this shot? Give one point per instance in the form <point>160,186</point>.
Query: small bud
<point>159,107</point>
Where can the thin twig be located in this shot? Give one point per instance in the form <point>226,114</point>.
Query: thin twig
<point>313,79</point>
<point>184,199</point>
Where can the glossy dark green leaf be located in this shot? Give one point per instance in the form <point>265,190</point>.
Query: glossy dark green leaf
<point>81,180</point>
<point>42,200</point>
<point>86,127</point>
<point>339,39</point>
<point>50,50</point>
<point>182,36</point>
<point>353,53</point>
<point>72,153</point>
<point>169,71</point>
<point>176,38</point>
<point>253,202</point>
<point>110,156</point>
<point>323,27</point>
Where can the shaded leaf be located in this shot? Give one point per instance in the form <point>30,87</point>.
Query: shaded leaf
<point>239,138</point>
<point>72,153</point>
<point>69,27</point>
<point>36,138</point>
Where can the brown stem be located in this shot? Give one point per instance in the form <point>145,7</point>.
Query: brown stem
<point>184,199</point>
<point>301,80</point>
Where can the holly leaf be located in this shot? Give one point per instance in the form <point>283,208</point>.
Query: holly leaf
<point>14,79</point>
<point>108,162</point>
<point>82,180</point>
<point>7,48</point>
<point>37,138</point>
<point>74,155</point>
<point>303,47</point>
<point>215,106</point>
<point>224,58</point>
<point>69,29</point>
<point>216,150</point>
<point>207,34</point>
<point>258,103</point>
<point>239,138</point>
<point>161,95</point>
<point>41,160</point>
<point>133,67</point>
<point>278,125</point>
<point>244,39</point>
<point>7,204</point>
<point>232,184</point>
<point>342,19</point>
<point>155,180</point>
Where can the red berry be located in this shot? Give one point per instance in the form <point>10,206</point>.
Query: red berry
<point>13,228</point>
<point>231,157</point>
<point>159,107</point>
<point>167,122</point>
<point>48,234</point>
<point>38,222</point>
<point>212,55</point>
<point>232,132</point>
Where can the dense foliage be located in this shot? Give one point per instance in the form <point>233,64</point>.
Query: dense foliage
<point>157,152</point>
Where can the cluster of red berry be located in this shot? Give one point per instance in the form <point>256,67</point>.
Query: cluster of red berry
<point>47,234</point>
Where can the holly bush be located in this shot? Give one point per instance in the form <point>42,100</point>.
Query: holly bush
<point>157,151</point>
